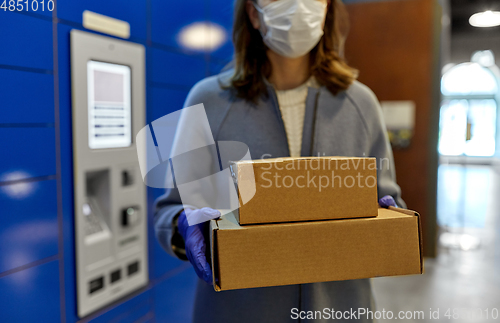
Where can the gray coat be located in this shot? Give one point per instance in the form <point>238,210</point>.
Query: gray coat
<point>347,124</point>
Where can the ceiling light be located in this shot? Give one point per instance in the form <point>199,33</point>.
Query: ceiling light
<point>485,19</point>
<point>202,36</point>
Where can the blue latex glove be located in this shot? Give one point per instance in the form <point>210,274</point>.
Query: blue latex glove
<point>195,242</point>
<point>387,201</point>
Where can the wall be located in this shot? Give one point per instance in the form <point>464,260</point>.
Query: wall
<point>37,277</point>
<point>395,46</point>
<point>464,45</point>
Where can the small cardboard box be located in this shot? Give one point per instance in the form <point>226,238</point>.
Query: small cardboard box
<point>307,188</point>
<point>317,251</point>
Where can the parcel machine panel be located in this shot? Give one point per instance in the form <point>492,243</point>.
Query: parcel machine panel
<point>108,86</point>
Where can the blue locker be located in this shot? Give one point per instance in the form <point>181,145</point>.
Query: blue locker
<point>26,41</point>
<point>66,175</point>
<point>177,70</point>
<point>30,152</point>
<point>26,97</point>
<point>162,263</point>
<point>221,13</point>
<point>31,295</point>
<point>164,101</point>
<point>29,230</point>
<point>168,18</point>
<point>131,309</point>
<point>218,66</point>
<point>174,297</point>
<point>161,101</point>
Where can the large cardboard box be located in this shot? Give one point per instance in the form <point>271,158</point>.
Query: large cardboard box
<point>317,251</point>
<point>306,188</point>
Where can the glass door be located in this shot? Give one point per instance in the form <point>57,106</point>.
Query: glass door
<point>468,120</point>
<point>468,127</point>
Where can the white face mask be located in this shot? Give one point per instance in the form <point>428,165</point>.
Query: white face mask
<point>294,27</point>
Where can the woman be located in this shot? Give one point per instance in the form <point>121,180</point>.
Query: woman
<point>290,93</point>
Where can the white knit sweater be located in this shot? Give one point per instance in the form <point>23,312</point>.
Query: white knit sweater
<point>292,104</point>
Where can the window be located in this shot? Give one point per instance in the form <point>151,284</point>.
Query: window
<point>468,114</point>
<point>468,78</point>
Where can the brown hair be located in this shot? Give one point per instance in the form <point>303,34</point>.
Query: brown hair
<point>251,63</point>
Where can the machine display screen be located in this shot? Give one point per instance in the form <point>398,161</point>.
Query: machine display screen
<point>109,105</point>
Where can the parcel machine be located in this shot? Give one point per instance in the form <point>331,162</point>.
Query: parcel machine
<point>108,85</point>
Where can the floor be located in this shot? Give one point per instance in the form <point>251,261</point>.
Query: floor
<point>463,285</point>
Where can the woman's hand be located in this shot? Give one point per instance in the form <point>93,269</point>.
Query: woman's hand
<point>195,242</point>
<point>387,201</point>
